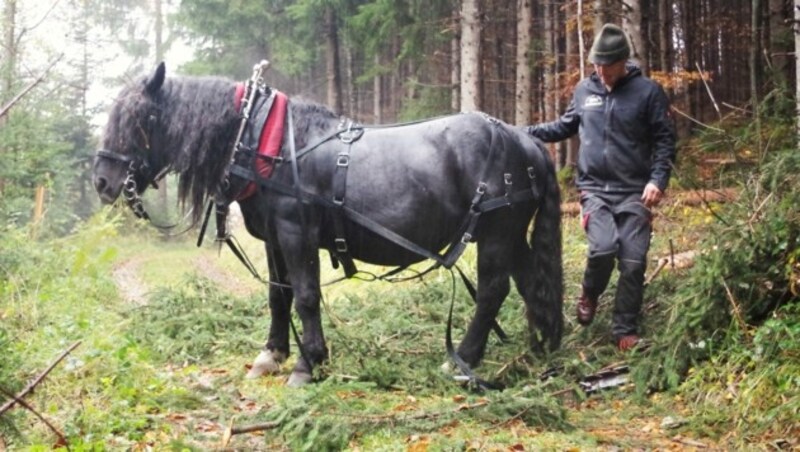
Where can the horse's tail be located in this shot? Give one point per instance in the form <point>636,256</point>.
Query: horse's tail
<point>547,262</point>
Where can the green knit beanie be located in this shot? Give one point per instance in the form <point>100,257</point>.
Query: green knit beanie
<point>610,46</point>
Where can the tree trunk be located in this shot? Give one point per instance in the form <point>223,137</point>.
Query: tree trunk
<point>755,28</point>
<point>523,83</point>
<point>455,73</point>
<point>9,60</point>
<point>332,74</point>
<point>378,91</point>
<point>470,55</point>
<point>664,35</point>
<point>549,63</point>
<point>159,48</point>
<point>778,39</point>
<point>797,64</point>
<point>632,24</point>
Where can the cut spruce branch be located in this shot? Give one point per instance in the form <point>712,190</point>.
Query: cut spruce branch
<point>377,419</point>
<point>8,405</point>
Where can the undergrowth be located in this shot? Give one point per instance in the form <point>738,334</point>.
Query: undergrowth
<point>732,325</point>
<point>194,319</point>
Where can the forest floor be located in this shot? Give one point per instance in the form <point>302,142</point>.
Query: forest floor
<point>613,419</point>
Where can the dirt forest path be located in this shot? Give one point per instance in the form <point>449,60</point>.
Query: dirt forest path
<point>134,288</point>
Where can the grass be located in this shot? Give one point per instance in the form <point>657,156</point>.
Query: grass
<point>168,373</point>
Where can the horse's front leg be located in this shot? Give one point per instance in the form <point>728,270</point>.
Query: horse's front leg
<point>276,350</point>
<point>302,260</point>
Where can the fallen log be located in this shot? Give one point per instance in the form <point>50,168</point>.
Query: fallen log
<point>676,261</point>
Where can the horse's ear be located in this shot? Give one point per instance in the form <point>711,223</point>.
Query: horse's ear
<point>154,83</point>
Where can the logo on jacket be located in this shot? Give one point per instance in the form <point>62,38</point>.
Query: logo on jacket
<point>593,101</point>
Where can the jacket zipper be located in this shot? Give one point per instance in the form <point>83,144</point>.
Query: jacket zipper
<point>609,110</point>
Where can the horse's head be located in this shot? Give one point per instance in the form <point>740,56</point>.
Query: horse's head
<point>130,158</point>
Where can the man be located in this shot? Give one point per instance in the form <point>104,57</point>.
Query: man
<point>624,162</point>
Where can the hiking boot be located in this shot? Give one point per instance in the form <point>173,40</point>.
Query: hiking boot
<point>586,309</point>
<point>628,342</point>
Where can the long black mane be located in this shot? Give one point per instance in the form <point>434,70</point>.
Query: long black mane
<point>196,130</point>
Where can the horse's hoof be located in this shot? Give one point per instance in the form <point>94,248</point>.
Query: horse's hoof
<point>268,362</point>
<point>448,368</point>
<point>298,379</point>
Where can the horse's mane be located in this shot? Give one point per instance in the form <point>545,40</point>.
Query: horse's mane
<point>310,119</point>
<point>199,123</point>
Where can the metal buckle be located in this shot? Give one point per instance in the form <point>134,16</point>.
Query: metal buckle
<point>481,188</point>
<point>531,173</point>
<point>466,238</point>
<point>507,178</point>
<point>341,245</point>
<point>343,160</point>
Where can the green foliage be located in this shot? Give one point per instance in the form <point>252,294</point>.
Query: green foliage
<point>731,323</point>
<point>430,102</point>
<point>196,320</point>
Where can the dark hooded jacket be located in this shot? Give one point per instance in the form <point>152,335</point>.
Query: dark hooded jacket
<point>627,137</point>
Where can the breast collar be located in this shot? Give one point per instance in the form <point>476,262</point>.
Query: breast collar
<point>264,134</point>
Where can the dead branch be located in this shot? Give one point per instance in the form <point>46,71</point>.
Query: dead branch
<point>26,405</point>
<point>737,312</point>
<point>675,261</point>
<point>710,94</point>
<point>8,405</point>
<point>30,86</point>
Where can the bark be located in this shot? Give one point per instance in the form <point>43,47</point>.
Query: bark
<point>377,96</point>
<point>779,39</point>
<point>664,35</point>
<point>755,76</point>
<point>455,73</point>
<point>470,55</point>
<point>632,24</point>
<point>9,60</point>
<point>797,63</point>
<point>549,64</point>
<point>159,48</point>
<point>332,60</point>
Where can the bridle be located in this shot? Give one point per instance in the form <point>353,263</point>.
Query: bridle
<point>130,190</point>
<point>137,164</point>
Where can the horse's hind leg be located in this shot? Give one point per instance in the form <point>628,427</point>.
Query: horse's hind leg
<point>276,350</point>
<point>493,287</point>
<point>545,319</point>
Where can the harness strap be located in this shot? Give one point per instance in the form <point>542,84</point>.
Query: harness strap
<point>339,188</point>
<point>473,379</point>
<point>351,214</point>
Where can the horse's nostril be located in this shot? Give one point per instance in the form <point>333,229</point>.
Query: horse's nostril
<point>100,183</point>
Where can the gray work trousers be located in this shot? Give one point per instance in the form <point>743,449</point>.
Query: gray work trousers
<point>618,229</point>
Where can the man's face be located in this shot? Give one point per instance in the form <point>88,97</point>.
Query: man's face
<point>610,74</point>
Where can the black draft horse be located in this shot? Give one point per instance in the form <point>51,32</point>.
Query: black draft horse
<point>418,180</point>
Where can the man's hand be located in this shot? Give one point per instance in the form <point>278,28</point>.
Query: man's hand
<point>652,195</point>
